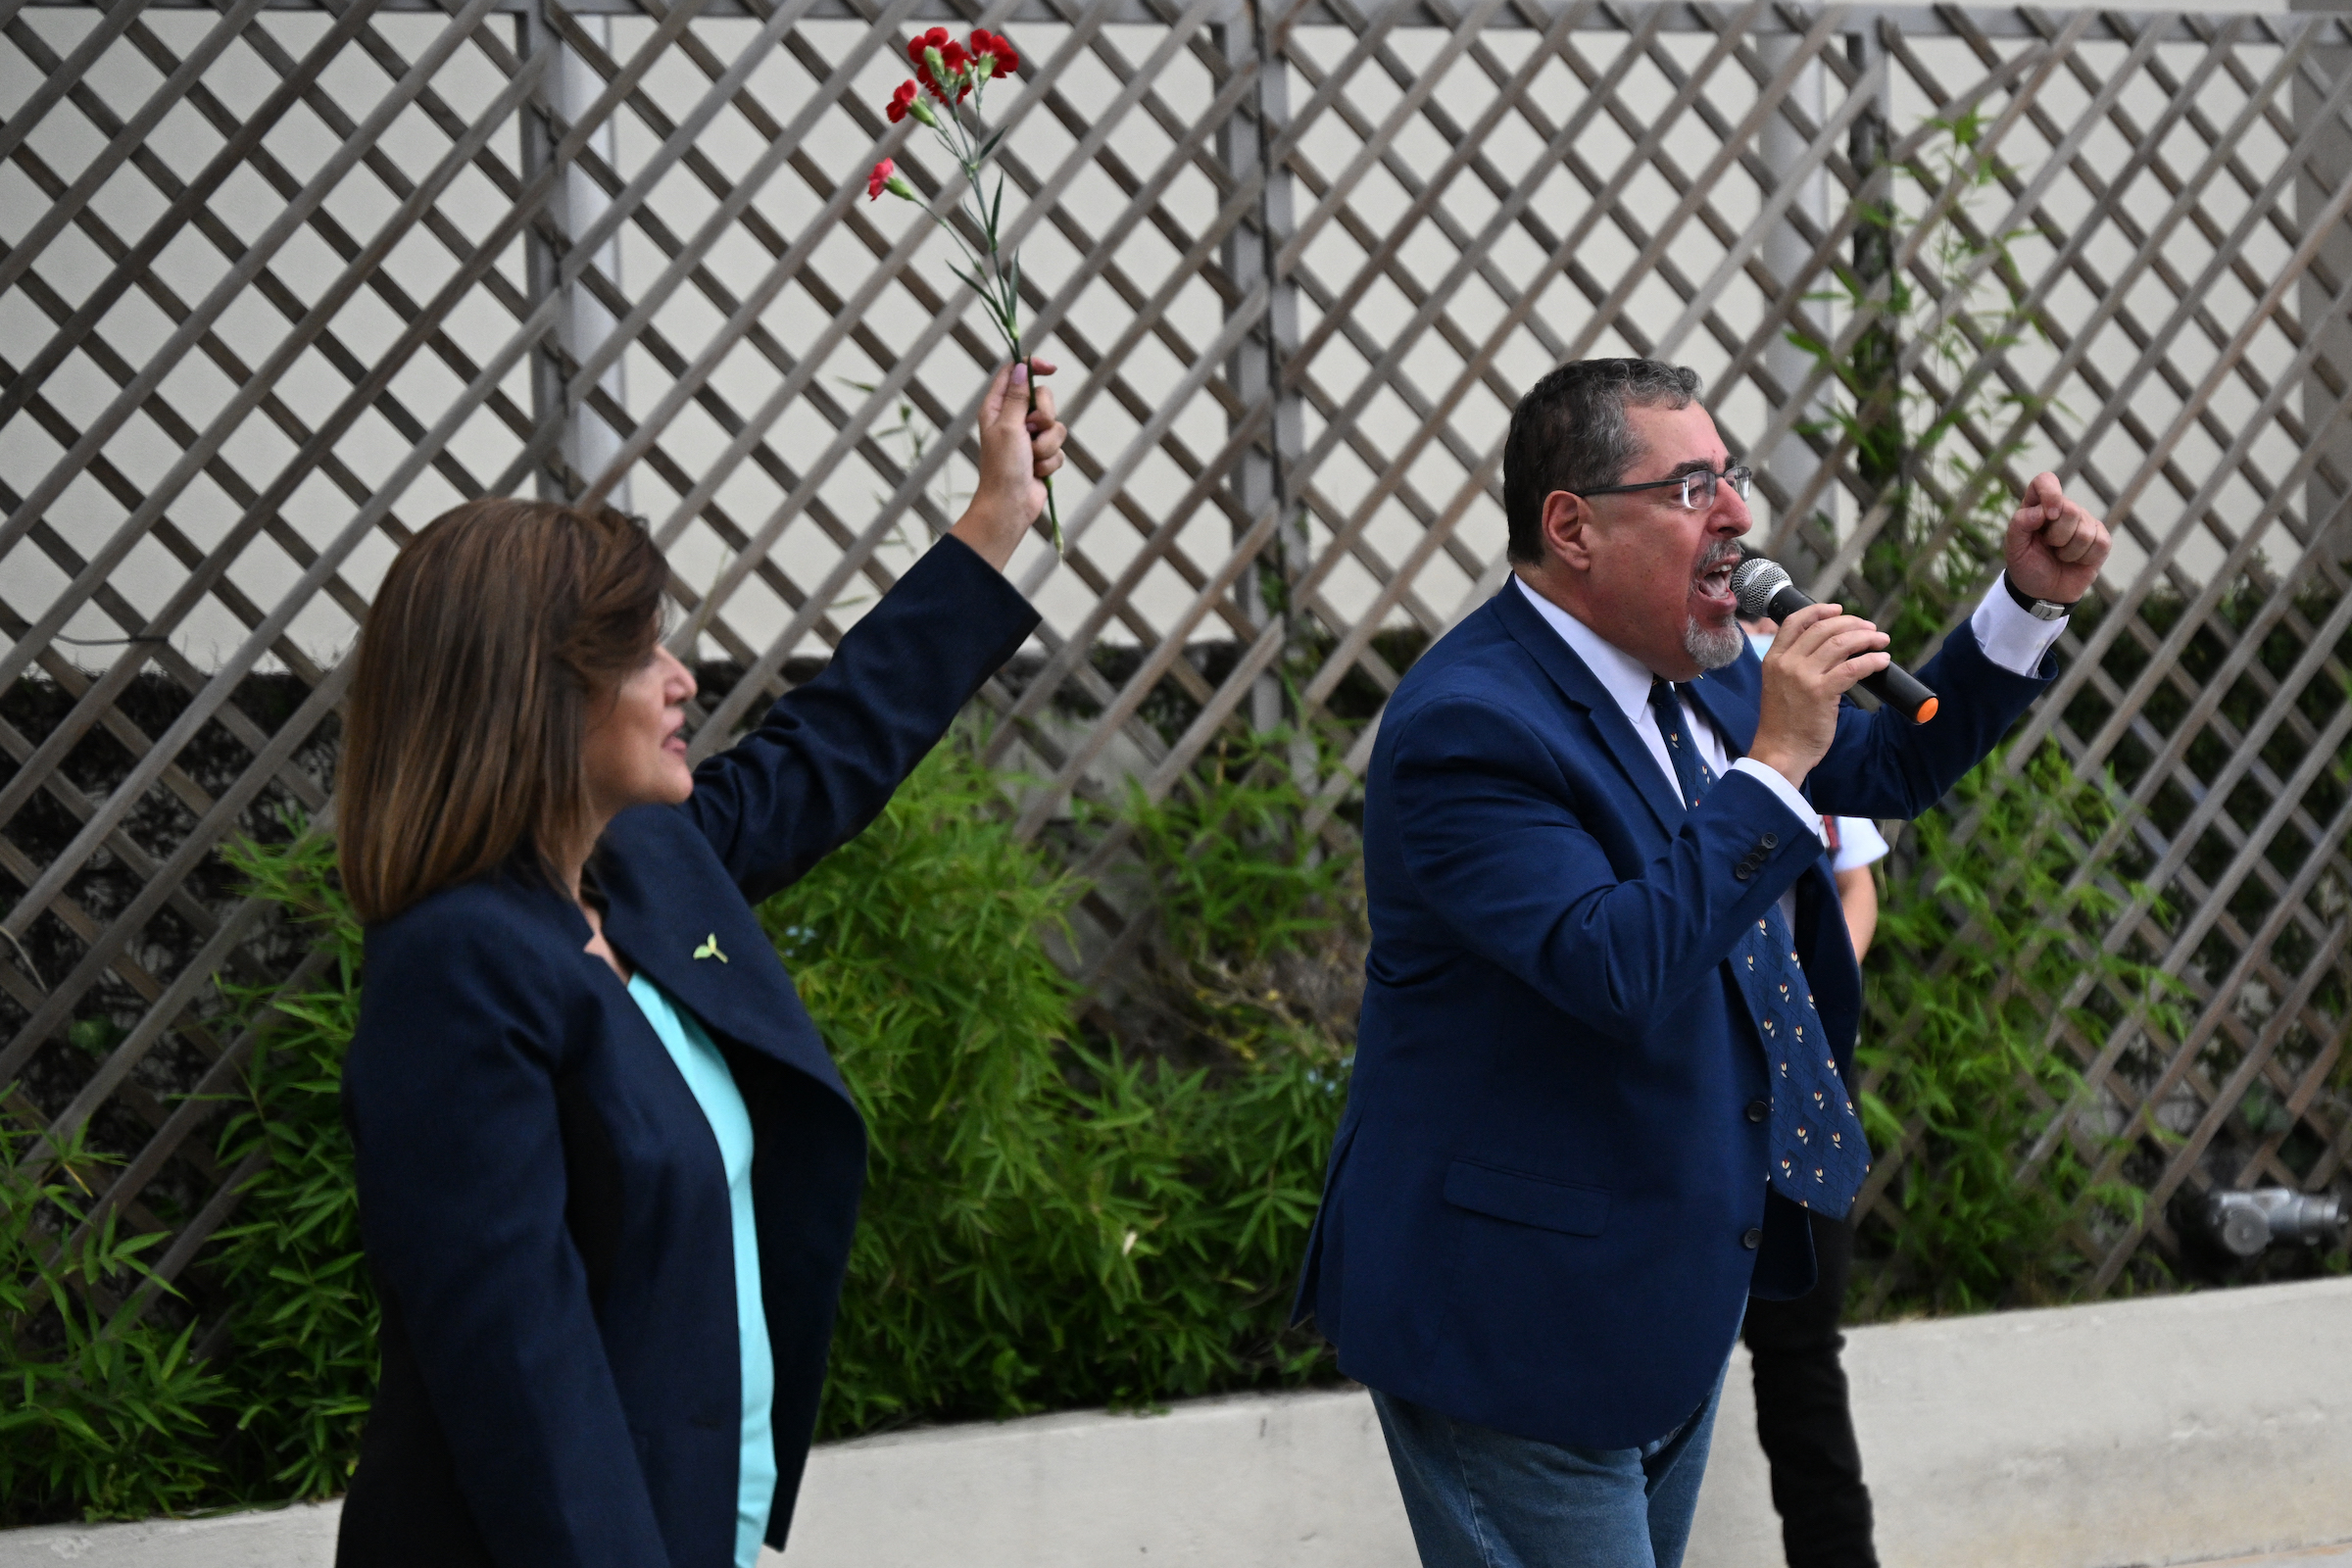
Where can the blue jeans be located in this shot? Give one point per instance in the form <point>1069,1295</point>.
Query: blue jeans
<point>1481,1499</point>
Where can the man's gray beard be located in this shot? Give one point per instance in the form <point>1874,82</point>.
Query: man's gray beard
<point>1712,650</point>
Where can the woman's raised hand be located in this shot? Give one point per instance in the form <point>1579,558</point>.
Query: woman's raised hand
<point>1019,446</point>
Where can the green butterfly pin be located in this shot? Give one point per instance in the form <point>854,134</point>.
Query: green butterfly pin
<point>710,950</point>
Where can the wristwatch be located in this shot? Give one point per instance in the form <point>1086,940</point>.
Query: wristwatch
<point>2038,608</point>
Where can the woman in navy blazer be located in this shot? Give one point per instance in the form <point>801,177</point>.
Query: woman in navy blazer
<point>583,1086</point>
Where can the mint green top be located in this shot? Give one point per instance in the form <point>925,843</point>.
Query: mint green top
<point>705,1073</point>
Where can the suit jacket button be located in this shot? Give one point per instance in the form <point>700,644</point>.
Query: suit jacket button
<point>1751,1238</point>
<point>1770,841</point>
<point>1758,1110</point>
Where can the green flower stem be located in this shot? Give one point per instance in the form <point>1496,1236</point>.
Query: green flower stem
<point>1053,511</point>
<point>993,275</point>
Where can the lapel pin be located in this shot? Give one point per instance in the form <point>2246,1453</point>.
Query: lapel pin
<point>710,950</point>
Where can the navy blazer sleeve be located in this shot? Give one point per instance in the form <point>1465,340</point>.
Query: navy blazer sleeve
<point>1488,821</point>
<point>1886,767</point>
<point>823,763</point>
<point>461,1168</point>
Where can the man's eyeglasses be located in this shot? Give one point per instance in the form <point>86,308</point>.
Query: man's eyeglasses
<point>1697,486</point>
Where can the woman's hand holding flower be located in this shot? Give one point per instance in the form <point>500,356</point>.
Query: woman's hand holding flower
<point>1020,444</point>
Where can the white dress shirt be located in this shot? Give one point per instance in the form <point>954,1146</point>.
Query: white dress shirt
<point>2010,638</point>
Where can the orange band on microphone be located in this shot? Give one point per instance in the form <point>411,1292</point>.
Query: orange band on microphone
<point>1926,711</point>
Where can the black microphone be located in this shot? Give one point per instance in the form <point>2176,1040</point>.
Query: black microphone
<point>1765,593</point>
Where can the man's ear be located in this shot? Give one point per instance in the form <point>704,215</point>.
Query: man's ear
<point>1567,530</point>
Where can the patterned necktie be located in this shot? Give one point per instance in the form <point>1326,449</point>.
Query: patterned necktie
<point>1818,1154</point>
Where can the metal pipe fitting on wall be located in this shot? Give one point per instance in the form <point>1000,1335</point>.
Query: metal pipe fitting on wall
<point>2246,1222</point>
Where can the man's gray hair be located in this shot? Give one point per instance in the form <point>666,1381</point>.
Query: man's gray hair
<point>1570,432</point>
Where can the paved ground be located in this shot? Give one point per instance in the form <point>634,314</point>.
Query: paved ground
<point>2340,1556</point>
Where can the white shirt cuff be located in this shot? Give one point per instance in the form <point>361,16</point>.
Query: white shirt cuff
<point>1771,779</point>
<point>2011,638</point>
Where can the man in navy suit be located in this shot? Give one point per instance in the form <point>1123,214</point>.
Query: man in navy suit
<point>1611,1003</point>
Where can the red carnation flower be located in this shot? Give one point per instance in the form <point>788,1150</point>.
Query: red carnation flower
<point>954,65</point>
<point>997,49</point>
<point>896,108</point>
<point>877,181</point>
<point>959,69</point>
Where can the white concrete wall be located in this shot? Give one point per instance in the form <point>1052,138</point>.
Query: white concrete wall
<point>2177,1430</point>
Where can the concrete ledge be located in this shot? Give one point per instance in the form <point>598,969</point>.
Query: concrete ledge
<point>283,1537</point>
<point>2176,1429</point>
<point>2160,1431</point>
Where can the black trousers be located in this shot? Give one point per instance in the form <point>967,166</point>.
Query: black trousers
<point>1802,1416</point>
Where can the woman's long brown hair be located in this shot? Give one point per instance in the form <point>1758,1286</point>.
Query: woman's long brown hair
<point>493,632</point>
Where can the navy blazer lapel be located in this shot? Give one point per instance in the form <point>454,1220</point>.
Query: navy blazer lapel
<point>1581,686</point>
<point>674,915</point>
